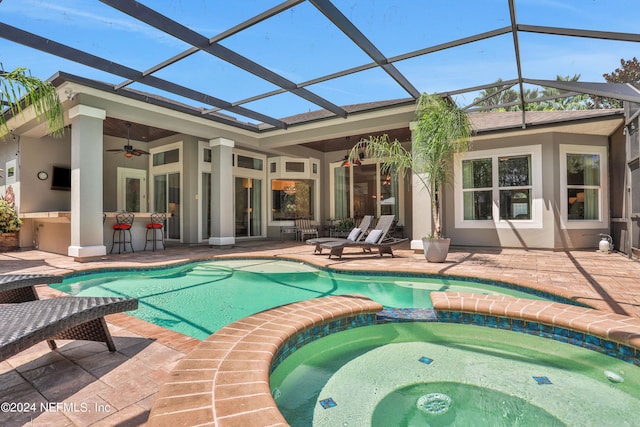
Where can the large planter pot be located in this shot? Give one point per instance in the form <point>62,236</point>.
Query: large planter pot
<point>435,250</point>
<point>8,241</point>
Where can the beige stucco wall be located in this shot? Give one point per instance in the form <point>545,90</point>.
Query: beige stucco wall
<point>551,235</point>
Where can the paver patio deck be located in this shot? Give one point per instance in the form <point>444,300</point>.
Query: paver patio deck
<point>83,384</point>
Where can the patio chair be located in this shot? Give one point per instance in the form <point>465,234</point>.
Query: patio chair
<point>376,239</point>
<point>67,318</point>
<point>21,287</point>
<point>305,228</point>
<point>355,235</point>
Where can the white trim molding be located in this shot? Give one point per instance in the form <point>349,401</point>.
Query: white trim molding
<point>603,199</point>
<point>537,202</point>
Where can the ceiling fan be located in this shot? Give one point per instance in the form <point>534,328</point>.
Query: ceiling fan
<point>128,149</point>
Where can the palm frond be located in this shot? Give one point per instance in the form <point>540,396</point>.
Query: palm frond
<point>20,91</point>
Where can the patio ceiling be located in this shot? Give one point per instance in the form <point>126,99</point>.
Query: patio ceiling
<point>265,65</point>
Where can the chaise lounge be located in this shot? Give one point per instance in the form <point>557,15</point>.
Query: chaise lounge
<point>27,320</point>
<point>357,234</point>
<point>376,239</point>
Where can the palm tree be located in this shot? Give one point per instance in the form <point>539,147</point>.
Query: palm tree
<point>442,129</point>
<point>20,91</point>
<point>556,99</point>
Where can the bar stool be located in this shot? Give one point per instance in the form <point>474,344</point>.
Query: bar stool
<point>156,224</point>
<point>123,224</point>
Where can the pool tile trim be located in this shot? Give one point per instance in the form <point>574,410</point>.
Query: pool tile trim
<point>608,333</point>
<point>230,369</point>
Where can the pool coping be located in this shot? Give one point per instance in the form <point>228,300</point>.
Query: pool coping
<point>225,380</point>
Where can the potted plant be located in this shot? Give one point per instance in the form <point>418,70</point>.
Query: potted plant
<point>9,222</point>
<point>441,129</point>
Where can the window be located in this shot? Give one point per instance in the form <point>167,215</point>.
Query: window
<point>364,190</point>
<point>495,188</point>
<point>294,189</point>
<point>477,189</point>
<point>247,162</point>
<point>514,181</point>
<point>166,157</point>
<point>295,167</point>
<point>292,198</point>
<point>582,176</point>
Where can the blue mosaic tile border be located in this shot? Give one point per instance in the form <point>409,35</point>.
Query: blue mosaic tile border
<point>400,315</point>
<point>307,336</point>
<point>578,338</point>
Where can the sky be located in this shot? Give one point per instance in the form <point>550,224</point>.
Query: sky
<point>301,45</point>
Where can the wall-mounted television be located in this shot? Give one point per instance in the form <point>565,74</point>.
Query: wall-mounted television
<point>61,178</point>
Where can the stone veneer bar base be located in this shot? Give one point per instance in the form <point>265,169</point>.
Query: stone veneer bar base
<point>225,380</point>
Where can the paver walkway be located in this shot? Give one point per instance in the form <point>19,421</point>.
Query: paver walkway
<point>82,384</point>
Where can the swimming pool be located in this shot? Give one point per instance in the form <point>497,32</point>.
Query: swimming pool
<point>198,298</point>
<point>450,374</point>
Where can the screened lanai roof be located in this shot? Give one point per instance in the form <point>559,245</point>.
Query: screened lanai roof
<point>269,64</point>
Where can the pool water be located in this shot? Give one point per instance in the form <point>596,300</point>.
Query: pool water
<point>199,298</point>
<point>436,374</point>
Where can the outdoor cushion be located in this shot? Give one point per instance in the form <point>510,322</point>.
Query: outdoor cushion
<point>354,234</point>
<point>373,237</point>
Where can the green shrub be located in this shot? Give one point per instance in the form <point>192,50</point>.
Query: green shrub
<point>9,221</point>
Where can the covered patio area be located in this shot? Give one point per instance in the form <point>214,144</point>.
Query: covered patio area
<point>82,384</point>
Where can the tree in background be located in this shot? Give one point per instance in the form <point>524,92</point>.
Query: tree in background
<point>495,96</point>
<point>553,99</point>
<point>20,91</point>
<point>537,100</point>
<point>628,72</point>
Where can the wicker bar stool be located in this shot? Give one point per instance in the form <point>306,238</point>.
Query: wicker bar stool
<point>124,222</point>
<point>156,224</point>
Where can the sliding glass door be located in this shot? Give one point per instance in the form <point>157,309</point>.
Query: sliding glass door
<point>248,207</point>
<point>166,198</point>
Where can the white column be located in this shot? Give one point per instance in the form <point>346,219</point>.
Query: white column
<point>222,185</point>
<point>87,237</point>
<point>421,213</point>
<point>422,222</point>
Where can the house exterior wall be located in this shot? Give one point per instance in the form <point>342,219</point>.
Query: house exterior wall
<point>546,231</point>
<point>41,155</point>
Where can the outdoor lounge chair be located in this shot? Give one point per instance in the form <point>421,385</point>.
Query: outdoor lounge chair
<point>377,239</point>
<point>355,235</point>
<point>21,287</point>
<point>79,318</point>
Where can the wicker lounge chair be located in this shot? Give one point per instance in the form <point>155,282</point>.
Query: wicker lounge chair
<point>79,318</point>
<point>377,239</point>
<point>357,234</point>
<point>21,287</point>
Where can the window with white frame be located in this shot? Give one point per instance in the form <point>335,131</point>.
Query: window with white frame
<point>499,187</point>
<point>294,188</point>
<point>514,184</point>
<point>583,174</point>
<point>477,189</point>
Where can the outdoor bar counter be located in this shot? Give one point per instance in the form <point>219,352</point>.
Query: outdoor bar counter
<point>51,231</point>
